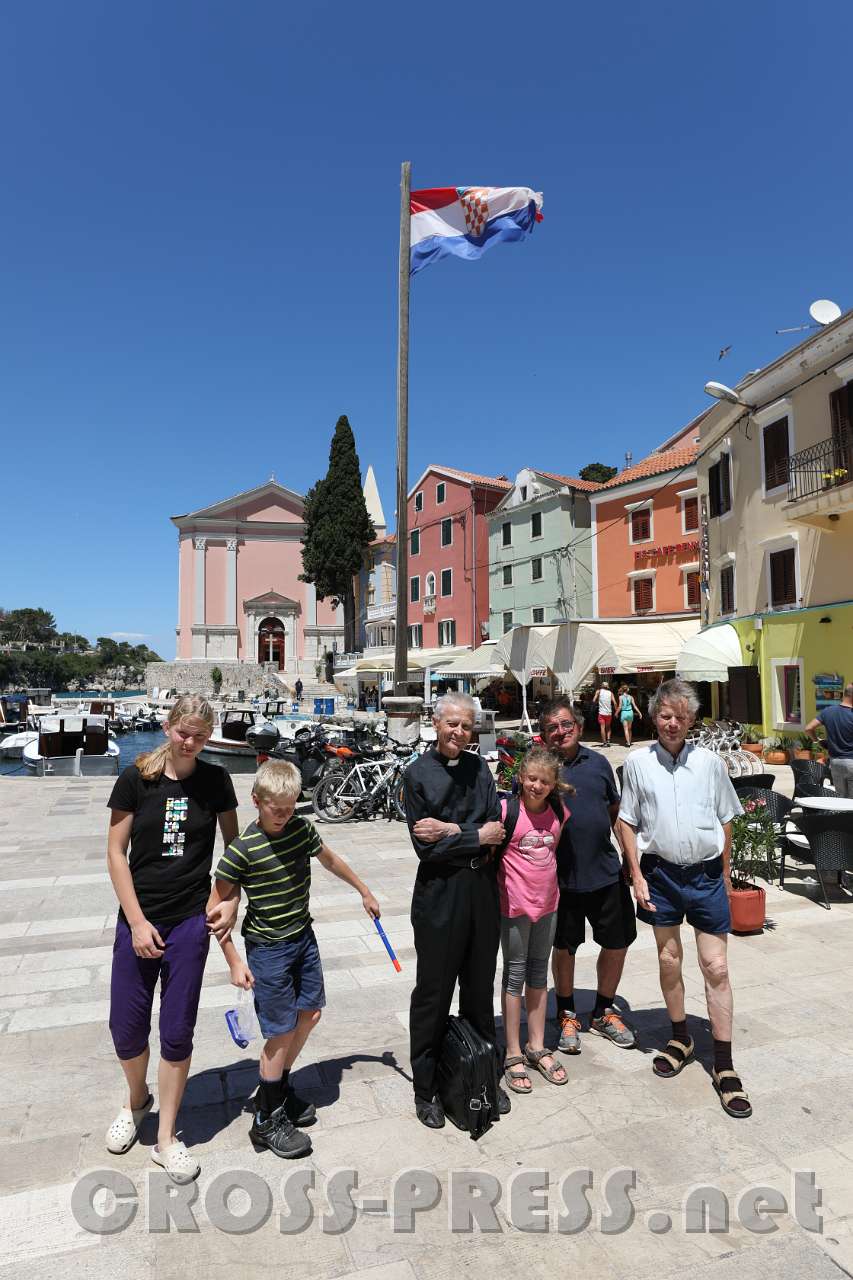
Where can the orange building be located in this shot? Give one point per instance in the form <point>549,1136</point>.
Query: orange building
<point>645,534</point>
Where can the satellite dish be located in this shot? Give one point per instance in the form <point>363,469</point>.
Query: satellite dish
<point>824,311</point>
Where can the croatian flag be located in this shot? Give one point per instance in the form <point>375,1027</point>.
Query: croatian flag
<point>466,221</point>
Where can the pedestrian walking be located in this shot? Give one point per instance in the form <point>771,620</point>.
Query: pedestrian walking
<point>604,702</point>
<point>165,809</point>
<point>628,709</point>
<point>837,720</point>
<point>675,826</point>
<point>592,887</point>
<point>454,821</point>
<point>297,689</point>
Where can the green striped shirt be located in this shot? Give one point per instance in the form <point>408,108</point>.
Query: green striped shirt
<point>275,873</point>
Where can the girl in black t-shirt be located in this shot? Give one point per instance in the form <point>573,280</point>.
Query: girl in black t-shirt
<point>165,808</point>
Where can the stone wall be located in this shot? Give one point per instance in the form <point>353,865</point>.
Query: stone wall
<point>194,677</point>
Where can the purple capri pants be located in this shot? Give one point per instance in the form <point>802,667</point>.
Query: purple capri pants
<point>180,970</point>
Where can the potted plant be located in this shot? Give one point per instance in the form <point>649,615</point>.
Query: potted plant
<point>753,854</point>
<point>216,679</point>
<point>774,751</point>
<point>751,739</point>
<point>805,746</point>
<point>819,751</point>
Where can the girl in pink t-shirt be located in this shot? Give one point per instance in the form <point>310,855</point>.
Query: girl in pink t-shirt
<point>527,882</point>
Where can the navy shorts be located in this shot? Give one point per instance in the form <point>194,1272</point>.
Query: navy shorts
<point>697,892</point>
<point>288,978</point>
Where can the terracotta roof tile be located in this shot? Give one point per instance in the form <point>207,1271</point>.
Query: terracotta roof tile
<point>654,465</point>
<point>574,482</point>
<point>489,482</point>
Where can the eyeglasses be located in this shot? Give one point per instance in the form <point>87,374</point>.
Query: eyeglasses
<point>567,726</point>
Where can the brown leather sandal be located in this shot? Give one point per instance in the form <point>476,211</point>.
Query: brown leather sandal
<point>514,1078</point>
<point>534,1058</point>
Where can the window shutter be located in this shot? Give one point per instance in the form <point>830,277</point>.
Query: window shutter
<point>641,529</point>
<point>643,595</point>
<point>776,454</point>
<point>727,589</point>
<point>691,514</point>
<point>783,585</point>
<point>693,590</point>
<point>725,484</point>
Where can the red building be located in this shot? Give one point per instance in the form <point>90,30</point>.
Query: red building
<point>448,586</point>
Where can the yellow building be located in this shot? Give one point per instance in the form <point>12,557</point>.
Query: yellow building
<point>775,475</point>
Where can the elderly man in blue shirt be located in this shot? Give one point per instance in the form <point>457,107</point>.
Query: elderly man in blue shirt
<point>675,827</point>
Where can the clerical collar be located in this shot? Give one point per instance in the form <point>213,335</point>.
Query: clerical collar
<point>445,760</point>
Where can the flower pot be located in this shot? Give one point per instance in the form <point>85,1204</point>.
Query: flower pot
<point>748,908</point>
<point>776,757</point>
<point>800,754</point>
<point>754,747</point>
<point>821,757</point>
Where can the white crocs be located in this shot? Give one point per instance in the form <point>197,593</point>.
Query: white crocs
<point>124,1130</point>
<point>177,1161</point>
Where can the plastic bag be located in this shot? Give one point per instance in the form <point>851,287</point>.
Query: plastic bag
<point>242,1021</point>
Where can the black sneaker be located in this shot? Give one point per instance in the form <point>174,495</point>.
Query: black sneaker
<point>299,1110</point>
<point>278,1134</point>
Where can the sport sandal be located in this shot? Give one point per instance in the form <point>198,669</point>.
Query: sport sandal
<point>514,1078</point>
<point>177,1161</point>
<point>534,1058</point>
<point>124,1130</point>
<point>676,1054</point>
<point>729,1087</point>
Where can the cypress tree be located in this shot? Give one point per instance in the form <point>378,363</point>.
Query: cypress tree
<point>337,528</point>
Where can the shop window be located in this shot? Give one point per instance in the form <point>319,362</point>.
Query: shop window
<point>791,695</point>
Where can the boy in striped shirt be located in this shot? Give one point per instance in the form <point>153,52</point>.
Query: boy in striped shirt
<point>271,861</point>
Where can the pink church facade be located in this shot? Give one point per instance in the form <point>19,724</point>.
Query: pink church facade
<point>239,594</point>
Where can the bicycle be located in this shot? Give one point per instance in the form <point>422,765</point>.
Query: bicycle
<point>367,788</point>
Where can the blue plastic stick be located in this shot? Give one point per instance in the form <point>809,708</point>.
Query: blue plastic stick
<point>388,947</point>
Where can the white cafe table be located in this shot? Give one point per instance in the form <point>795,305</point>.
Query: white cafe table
<point>832,804</point>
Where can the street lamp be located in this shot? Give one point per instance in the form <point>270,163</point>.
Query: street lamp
<point>720,391</point>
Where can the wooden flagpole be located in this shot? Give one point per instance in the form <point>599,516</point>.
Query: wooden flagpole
<point>401,646</point>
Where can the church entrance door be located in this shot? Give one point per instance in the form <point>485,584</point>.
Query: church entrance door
<point>271,642</point>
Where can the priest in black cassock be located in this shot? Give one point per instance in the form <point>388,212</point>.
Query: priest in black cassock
<point>453,814</point>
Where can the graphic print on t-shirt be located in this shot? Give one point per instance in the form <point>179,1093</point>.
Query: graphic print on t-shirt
<point>537,846</point>
<point>173,833</point>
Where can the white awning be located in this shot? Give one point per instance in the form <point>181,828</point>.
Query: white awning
<point>571,651</point>
<point>473,664</point>
<point>708,655</point>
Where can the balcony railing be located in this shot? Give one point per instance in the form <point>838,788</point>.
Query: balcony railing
<point>820,467</point>
<point>429,604</point>
<point>377,612</point>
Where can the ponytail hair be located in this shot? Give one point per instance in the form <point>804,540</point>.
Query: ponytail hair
<point>190,707</point>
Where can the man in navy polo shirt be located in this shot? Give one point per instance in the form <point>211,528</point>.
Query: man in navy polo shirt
<point>837,719</point>
<point>591,883</point>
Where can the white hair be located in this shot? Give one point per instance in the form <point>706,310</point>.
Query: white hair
<point>460,700</point>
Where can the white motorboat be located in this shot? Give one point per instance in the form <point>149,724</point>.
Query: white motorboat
<point>229,733</point>
<point>72,746</point>
<point>12,746</point>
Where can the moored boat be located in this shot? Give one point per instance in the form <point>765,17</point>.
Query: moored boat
<point>72,746</point>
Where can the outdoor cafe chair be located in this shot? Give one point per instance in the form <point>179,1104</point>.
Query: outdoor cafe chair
<point>830,840</point>
<point>809,778</point>
<point>752,781</point>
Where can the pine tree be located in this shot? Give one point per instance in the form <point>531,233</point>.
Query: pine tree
<point>599,472</point>
<point>337,528</point>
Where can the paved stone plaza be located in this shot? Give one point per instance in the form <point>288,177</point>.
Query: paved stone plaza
<point>62,1087</point>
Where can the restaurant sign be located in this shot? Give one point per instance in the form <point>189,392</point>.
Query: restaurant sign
<point>673,549</point>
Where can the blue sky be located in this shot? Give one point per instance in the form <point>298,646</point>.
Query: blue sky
<point>199,249</point>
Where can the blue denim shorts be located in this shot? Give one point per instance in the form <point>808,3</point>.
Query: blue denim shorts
<point>288,978</point>
<point>697,892</point>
